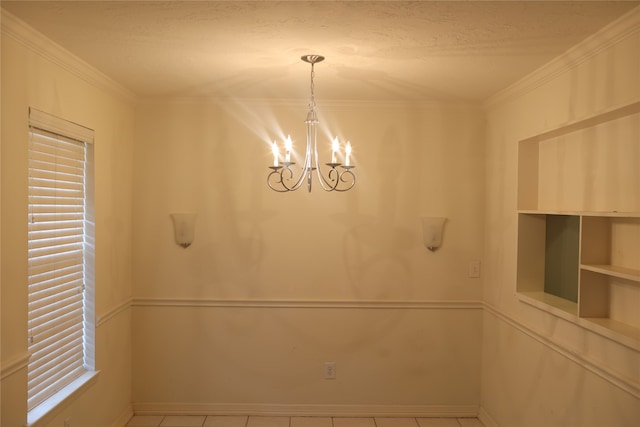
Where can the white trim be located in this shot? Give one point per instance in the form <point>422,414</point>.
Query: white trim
<point>113,312</point>
<point>624,383</point>
<point>611,214</point>
<point>50,123</point>
<point>486,419</point>
<point>124,418</point>
<point>46,411</point>
<point>612,34</point>
<point>59,271</point>
<point>14,365</point>
<point>457,411</point>
<point>229,103</point>
<point>41,45</point>
<point>594,119</point>
<point>346,304</point>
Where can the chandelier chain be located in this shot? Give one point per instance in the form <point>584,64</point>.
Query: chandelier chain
<point>312,102</point>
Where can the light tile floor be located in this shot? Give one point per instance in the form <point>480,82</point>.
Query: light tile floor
<point>262,421</point>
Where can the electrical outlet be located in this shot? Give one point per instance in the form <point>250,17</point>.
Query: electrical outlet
<point>329,370</point>
<point>474,268</point>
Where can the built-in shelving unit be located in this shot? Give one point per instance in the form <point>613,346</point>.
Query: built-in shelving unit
<point>577,262</point>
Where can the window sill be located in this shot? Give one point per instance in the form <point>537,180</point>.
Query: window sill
<point>48,409</point>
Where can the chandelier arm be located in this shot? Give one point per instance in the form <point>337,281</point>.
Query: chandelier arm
<point>298,183</point>
<point>279,190</point>
<point>351,180</point>
<point>290,172</point>
<point>345,176</point>
<point>281,182</point>
<point>325,183</point>
<point>331,181</point>
<point>303,172</point>
<point>276,173</point>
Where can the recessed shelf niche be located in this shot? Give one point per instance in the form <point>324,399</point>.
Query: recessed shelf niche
<point>575,261</point>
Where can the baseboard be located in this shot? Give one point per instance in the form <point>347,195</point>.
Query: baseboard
<point>453,411</point>
<point>124,418</point>
<point>486,419</point>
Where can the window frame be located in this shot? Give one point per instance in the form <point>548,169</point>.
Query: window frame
<point>41,123</point>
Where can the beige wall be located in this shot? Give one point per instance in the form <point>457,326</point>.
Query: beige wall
<point>254,243</point>
<point>31,80</point>
<point>539,369</point>
<point>197,341</point>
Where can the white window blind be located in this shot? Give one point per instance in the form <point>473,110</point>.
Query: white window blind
<point>57,276</point>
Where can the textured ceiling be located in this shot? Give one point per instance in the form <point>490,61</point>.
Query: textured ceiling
<point>374,50</point>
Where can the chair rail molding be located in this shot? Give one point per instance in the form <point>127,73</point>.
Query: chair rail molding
<point>14,365</point>
<point>596,367</point>
<point>113,312</point>
<point>267,303</point>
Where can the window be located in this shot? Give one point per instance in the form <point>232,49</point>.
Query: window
<point>61,246</point>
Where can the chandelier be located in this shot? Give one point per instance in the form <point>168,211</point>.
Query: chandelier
<point>285,176</point>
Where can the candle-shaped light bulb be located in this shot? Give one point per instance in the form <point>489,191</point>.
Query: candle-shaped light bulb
<point>274,149</point>
<point>334,149</point>
<point>288,145</point>
<point>348,153</point>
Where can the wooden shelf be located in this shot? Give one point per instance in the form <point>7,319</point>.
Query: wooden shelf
<point>614,271</point>
<point>609,214</point>
<point>588,122</point>
<point>546,301</point>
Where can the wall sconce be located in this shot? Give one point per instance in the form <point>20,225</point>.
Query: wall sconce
<point>432,228</point>
<point>184,225</point>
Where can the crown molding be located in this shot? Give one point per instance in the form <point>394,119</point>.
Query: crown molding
<point>38,43</point>
<point>610,35</point>
<point>425,104</point>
